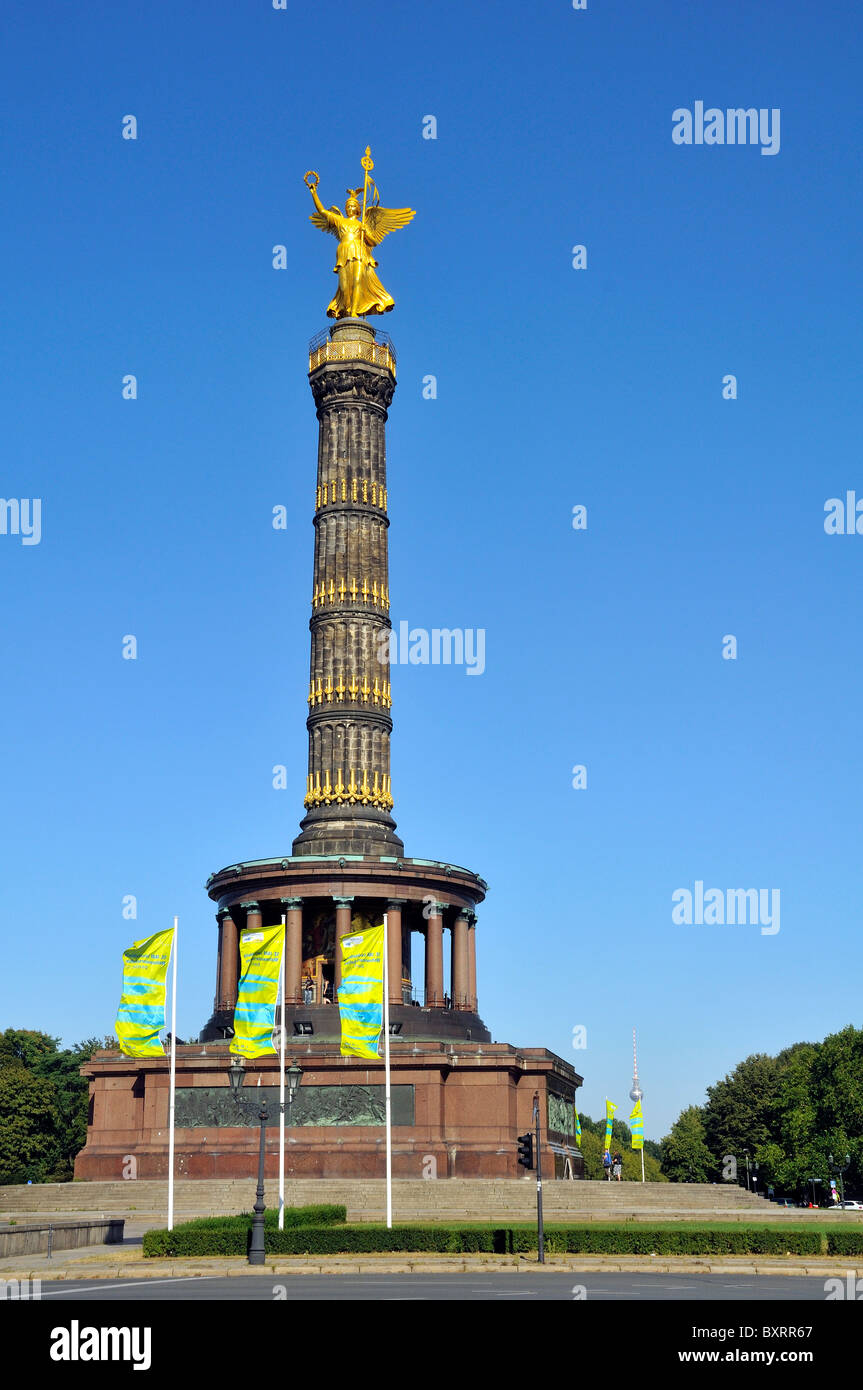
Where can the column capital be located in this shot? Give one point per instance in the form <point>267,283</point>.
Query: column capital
<point>467,913</point>
<point>291,903</point>
<point>251,907</point>
<point>343,902</point>
<point>396,904</point>
<point>437,909</point>
<point>224,912</point>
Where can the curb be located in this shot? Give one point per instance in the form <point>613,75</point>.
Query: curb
<point>584,1264</point>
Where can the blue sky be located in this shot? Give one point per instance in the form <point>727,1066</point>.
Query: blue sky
<point>555,387</point>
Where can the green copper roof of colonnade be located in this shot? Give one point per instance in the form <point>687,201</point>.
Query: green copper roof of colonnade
<point>282,861</point>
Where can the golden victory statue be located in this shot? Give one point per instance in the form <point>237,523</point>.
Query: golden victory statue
<point>360,291</point>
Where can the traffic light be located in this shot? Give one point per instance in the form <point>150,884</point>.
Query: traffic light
<point>525,1150</point>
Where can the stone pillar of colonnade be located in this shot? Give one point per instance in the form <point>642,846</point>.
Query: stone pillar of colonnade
<point>471,959</point>
<point>434,957</point>
<point>229,962</point>
<point>293,910</point>
<point>394,948</point>
<point>460,961</point>
<point>343,928</point>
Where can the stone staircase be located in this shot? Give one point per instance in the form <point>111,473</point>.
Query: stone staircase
<point>447,1200</point>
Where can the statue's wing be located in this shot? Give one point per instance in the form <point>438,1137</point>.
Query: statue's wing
<point>381,221</point>
<point>324,220</point>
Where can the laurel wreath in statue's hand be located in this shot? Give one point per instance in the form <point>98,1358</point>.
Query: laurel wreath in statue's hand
<point>311,179</point>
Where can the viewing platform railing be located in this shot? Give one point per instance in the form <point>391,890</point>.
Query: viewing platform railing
<point>381,352</point>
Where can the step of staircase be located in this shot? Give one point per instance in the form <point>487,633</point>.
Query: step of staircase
<point>447,1200</point>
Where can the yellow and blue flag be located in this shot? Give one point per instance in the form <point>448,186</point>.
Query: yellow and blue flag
<point>258,991</point>
<point>609,1119</point>
<point>141,1015</point>
<point>577,1127</point>
<point>636,1124</point>
<point>361,992</point>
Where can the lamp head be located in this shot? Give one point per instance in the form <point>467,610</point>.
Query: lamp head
<point>236,1073</point>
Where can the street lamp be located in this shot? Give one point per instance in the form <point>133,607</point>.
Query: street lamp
<point>236,1076</point>
<point>256,1248</point>
<point>293,1076</point>
<point>746,1156</point>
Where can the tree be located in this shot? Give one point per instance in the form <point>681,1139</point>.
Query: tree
<point>742,1111</point>
<point>790,1112</point>
<point>35,1072</point>
<point>25,1048</point>
<point>28,1139</point>
<point>685,1155</point>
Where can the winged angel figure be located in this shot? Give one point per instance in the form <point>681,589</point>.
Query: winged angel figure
<point>360,291</point>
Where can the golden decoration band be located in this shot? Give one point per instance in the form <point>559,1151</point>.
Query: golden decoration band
<point>361,692</point>
<point>379,597</point>
<point>376,792</point>
<point>356,350</point>
<point>351,490</point>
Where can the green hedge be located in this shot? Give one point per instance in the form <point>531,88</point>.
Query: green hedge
<point>844,1242</point>
<point>631,1239</point>
<point>229,1235</point>
<point>321,1214</point>
<point>647,1240</point>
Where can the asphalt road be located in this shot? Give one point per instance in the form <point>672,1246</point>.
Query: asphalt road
<point>521,1287</point>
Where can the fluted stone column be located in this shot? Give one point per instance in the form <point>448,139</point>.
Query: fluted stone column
<point>343,928</point>
<point>394,948</point>
<point>460,963</point>
<point>230,960</point>
<point>293,909</point>
<point>348,793</point>
<point>434,957</point>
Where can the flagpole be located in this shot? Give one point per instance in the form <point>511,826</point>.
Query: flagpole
<point>173,1084</point>
<point>387,1090</point>
<point>282,1087</point>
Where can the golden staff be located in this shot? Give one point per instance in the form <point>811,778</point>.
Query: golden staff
<point>368,165</point>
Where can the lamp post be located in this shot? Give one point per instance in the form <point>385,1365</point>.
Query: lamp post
<point>256,1248</point>
<point>746,1156</point>
<point>236,1076</point>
